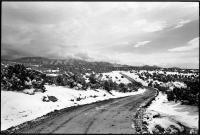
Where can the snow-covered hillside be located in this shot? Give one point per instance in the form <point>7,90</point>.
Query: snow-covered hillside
<point>134,76</point>
<point>18,107</point>
<point>164,113</point>
<point>115,76</point>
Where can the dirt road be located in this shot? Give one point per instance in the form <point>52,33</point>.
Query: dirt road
<point>111,116</point>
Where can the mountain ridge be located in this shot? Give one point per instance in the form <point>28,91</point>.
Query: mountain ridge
<point>69,61</point>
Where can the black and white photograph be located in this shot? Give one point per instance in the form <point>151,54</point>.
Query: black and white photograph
<point>100,67</point>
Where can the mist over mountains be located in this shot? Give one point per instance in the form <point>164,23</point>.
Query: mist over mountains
<point>72,62</point>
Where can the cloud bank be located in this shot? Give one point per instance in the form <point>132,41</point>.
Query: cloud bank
<point>100,30</point>
<point>192,44</point>
<point>181,23</point>
<point>141,43</point>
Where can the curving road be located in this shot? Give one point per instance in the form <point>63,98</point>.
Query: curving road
<point>111,116</point>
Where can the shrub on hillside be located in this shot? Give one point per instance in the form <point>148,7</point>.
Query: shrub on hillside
<point>189,95</point>
<point>150,84</point>
<point>60,80</point>
<point>106,86</point>
<point>109,85</point>
<point>92,79</point>
<point>50,80</point>
<point>122,87</point>
<point>72,80</point>
<point>49,98</point>
<point>131,87</point>
<point>170,96</point>
<point>18,78</point>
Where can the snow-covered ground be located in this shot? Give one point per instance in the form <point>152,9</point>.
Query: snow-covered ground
<point>17,107</point>
<point>86,78</point>
<point>179,84</point>
<point>52,74</point>
<point>177,73</point>
<point>115,76</point>
<point>135,77</point>
<point>52,71</point>
<point>164,113</point>
<point>167,72</point>
<point>145,82</point>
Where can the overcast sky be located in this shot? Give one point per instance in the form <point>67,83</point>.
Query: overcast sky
<point>133,33</point>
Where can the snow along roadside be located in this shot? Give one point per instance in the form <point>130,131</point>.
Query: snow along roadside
<point>138,117</point>
<point>164,113</point>
<point>17,108</point>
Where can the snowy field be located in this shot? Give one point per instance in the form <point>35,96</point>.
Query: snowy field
<point>135,77</point>
<point>145,82</point>
<point>115,76</point>
<point>52,74</point>
<point>17,107</point>
<point>167,72</point>
<point>164,113</point>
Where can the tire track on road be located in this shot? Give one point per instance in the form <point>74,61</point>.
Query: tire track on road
<point>60,126</point>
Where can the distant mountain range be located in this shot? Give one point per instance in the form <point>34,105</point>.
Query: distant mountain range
<point>151,67</point>
<point>70,62</point>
